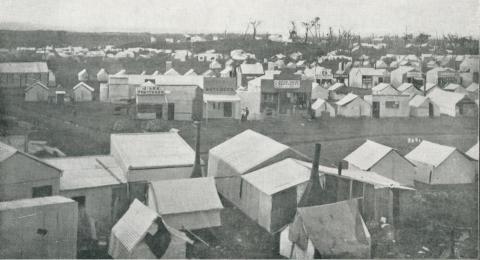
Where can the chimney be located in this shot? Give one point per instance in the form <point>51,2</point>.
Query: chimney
<point>313,194</point>
<point>339,167</point>
<point>197,168</point>
<point>168,65</point>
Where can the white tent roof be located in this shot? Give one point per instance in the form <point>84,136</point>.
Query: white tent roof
<point>473,152</point>
<point>152,150</point>
<point>335,86</point>
<point>472,87</point>
<point>382,86</point>
<point>430,153</point>
<point>347,99</point>
<point>255,68</point>
<point>445,100</point>
<point>452,86</point>
<point>367,155</point>
<point>278,176</point>
<point>171,72</point>
<point>404,86</point>
<point>190,72</point>
<point>247,150</point>
<point>185,195</point>
<point>417,101</point>
<point>318,103</point>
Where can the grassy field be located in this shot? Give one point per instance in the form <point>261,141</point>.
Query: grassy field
<point>87,131</point>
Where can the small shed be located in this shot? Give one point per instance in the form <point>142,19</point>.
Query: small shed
<point>82,92</point>
<point>241,154</point>
<point>322,107</point>
<point>82,75</point>
<point>102,75</point>
<point>37,92</point>
<point>141,233</point>
<point>438,164</point>
<point>39,228</point>
<point>352,105</point>
<point>187,204</point>
<point>269,196</point>
<point>384,160</point>
<point>421,106</point>
<point>334,230</point>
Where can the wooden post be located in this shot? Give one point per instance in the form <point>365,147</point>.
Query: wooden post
<point>350,189</point>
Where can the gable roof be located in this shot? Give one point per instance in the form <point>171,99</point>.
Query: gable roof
<point>335,86</point>
<point>247,150</point>
<point>368,71</point>
<point>35,84</point>
<point>171,72</point>
<point>278,176</point>
<point>430,153</point>
<point>369,177</point>
<point>404,86</point>
<point>83,84</point>
<point>88,172</point>
<point>319,103</point>
<point>367,155</point>
<point>34,202</point>
<point>7,151</point>
<point>381,87</point>
<point>24,67</point>
<point>446,100</point>
<point>418,100</point>
<point>472,87</point>
<point>152,150</point>
<point>190,72</point>
<point>185,195</point>
<point>473,152</point>
<point>336,229</point>
<point>346,99</point>
<point>452,86</point>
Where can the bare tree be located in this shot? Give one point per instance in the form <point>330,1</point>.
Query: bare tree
<point>316,28</point>
<point>307,25</point>
<point>255,24</point>
<point>293,31</point>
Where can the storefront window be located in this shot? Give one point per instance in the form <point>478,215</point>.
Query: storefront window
<point>392,104</point>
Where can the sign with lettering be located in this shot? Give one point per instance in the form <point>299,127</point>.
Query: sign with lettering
<point>150,90</point>
<point>286,84</point>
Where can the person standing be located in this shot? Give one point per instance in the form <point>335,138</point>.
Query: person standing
<point>242,119</point>
<point>246,113</point>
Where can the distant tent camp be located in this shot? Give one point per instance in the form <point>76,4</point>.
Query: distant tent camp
<point>335,230</point>
<point>141,233</point>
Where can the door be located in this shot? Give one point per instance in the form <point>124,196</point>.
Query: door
<point>376,109</point>
<point>227,109</point>
<point>396,207</point>
<point>430,110</point>
<point>171,111</point>
<point>158,111</point>
<point>60,99</point>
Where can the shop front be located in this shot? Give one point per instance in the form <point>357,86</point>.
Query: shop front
<point>284,95</point>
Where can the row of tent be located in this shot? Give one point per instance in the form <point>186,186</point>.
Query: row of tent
<point>38,92</point>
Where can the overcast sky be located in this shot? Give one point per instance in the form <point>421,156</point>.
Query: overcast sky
<point>196,16</point>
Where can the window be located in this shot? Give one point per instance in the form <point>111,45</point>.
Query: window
<point>392,104</point>
<point>42,191</point>
<point>80,200</point>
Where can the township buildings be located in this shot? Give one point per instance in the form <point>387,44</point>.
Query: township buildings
<point>15,77</point>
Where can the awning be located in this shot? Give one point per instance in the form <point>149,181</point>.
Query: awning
<point>220,98</point>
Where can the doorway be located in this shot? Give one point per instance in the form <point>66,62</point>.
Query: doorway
<point>376,109</point>
<point>158,111</point>
<point>171,111</point>
<point>430,110</point>
<point>227,109</point>
<point>396,207</point>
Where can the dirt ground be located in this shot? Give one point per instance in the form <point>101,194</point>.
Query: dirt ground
<point>86,131</point>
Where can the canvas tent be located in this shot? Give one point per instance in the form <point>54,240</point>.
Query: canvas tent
<point>473,152</point>
<point>82,92</point>
<point>243,153</point>
<point>270,195</point>
<point>334,230</point>
<point>384,160</point>
<point>141,233</point>
<point>453,104</point>
<point>321,107</point>
<point>353,106</point>
<point>421,106</point>
<point>186,203</point>
<point>441,164</point>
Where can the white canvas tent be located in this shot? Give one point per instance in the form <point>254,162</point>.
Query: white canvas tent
<point>186,203</point>
<point>321,106</point>
<point>243,153</point>
<point>141,233</point>
<point>334,230</point>
<point>421,106</point>
<point>441,164</point>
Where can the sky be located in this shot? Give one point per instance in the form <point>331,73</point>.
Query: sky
<point>365,17</point>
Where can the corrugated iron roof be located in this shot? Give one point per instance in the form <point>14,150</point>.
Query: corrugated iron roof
<point>255,68</point>
<point>6,151</point>
<point>404,86</point>
<point>24,67</point>
<point>347,99</point>
<point>153,150</point>
<point>417,101</point>
<point>278,176</point>
<point>430,153</point>
<point>185,195</point>
<point>367,155</point>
